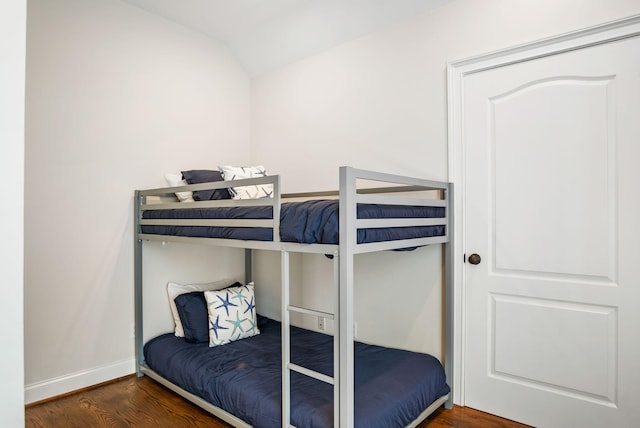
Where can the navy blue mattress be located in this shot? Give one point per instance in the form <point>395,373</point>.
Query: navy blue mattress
<point>310,222</point>
<point>392,387</point>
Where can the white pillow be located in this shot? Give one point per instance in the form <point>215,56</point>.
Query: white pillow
<point>175,180</point>
<point>174,290</point>
<point>232,314</point>
<point>246,192</point>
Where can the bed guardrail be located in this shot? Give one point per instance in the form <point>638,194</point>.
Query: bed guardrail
<point>351,196</point>
<point>164,199</point>
<point>394,193</point>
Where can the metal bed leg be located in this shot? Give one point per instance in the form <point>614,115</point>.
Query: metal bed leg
<point>286,340</point>
<point>345,311</point>
<point>448,334</point>
<point>248,265</point>
<point>336,339</point>
<point>137,251</point>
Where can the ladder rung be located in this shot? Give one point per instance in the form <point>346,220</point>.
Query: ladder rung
<point>310,373</point>
<point>298,309</point>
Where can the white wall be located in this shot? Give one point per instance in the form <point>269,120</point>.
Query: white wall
<point>379,102</point>
<point>13,22</point>
<point>115,98</point>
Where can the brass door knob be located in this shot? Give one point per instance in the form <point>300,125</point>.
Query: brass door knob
<point>475,259</point>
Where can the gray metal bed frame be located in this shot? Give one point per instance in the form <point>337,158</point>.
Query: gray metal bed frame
<point>343,261</point>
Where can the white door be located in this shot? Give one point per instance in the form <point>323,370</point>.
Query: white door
<point>551,154</point>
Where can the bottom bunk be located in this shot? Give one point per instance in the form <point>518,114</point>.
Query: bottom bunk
<point>393,388</point>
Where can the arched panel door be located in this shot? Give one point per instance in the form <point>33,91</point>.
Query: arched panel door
<point>551,161</point>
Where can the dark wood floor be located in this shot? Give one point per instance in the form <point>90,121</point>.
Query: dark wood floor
<point>141,402</point>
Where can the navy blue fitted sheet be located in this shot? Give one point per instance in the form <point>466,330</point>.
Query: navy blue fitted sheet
<point>310,222</point>
<point>392,387</point>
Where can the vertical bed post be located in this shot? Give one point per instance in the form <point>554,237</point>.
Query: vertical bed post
<point>448,299</point>
<point>137,281</point>
<point>285,340</point>
<point>248,265</point>
<point>277,201</point>
<point>347,249</point>
<point>336,338</point>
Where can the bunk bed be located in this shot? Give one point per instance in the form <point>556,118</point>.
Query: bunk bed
<point>319,380</point>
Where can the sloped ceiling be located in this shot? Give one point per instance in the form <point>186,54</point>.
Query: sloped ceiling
<point>268,34</point>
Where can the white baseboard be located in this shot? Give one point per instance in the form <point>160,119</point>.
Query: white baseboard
<point>61,385</point>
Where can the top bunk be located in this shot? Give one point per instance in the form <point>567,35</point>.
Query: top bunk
<point>370,212</point>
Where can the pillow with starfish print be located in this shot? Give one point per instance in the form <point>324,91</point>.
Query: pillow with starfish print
<point>242,172</point>
<point>232,314</point>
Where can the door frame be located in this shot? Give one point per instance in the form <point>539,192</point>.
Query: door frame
<point>457,71</point>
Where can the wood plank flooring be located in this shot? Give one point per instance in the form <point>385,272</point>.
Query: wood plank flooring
<point>141,402</point>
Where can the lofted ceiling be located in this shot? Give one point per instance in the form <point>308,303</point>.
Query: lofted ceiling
<point>267,34</point>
